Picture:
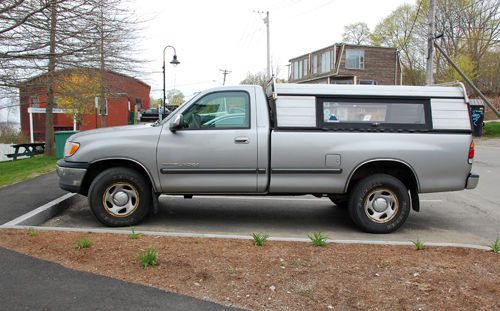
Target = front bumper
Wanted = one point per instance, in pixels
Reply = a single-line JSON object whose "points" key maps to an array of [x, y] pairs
{"points": [[472, 181], [71, 175]]}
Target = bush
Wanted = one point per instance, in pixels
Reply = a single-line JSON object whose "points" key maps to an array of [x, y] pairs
{"points": [[133, 235], [10, 135], [317, 239], [32, 232], [495, 246], [83, 243], [149, 257], [419, 245], [259, 239]]}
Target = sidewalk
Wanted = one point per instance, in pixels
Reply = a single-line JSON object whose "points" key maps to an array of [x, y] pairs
{"points": [[18, 199], [27, 283]]}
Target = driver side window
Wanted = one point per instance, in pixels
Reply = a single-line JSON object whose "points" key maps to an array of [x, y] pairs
{"points": [[229, 110]]}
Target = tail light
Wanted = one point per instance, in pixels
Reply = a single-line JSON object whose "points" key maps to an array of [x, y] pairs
{"points": [[471, 151]]}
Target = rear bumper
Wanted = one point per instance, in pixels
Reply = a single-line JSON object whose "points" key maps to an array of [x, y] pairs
{"points": [[472, 181], [71, 175]]}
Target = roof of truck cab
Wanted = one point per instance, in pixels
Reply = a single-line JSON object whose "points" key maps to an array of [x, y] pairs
{"points": [[369, 90]]}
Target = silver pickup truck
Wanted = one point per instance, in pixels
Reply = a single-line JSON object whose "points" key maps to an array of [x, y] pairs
{"points": [[371, 149]]}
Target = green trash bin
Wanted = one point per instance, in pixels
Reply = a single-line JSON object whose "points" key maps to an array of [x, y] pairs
{"points": [[61, 138]]}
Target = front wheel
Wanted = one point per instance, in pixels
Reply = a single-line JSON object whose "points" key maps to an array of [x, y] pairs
{"points": [[379, 204], [119, 197]]}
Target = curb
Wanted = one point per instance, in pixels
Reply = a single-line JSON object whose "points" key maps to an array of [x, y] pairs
{"points": [[43, 213]]}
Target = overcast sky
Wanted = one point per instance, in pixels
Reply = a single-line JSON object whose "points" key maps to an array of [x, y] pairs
{"points": [[225, 34], [230, 34]]}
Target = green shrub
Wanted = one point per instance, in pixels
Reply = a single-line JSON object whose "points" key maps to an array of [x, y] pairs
{"points": [[149, 257], [133, 235], [83, 243], [419, 245], [317, 239], [32, 232], [259, 239], [495, 246]]}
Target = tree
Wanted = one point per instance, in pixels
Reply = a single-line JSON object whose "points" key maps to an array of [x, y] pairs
{"points": [[397, 30], [357, 33], [175, 97], [77, 90], [260, 78]]}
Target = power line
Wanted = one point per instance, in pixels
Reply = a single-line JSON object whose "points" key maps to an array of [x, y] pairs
{"points": [[225, 72]]}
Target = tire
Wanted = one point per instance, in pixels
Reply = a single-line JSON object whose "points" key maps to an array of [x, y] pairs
{"points": [[379, 204], [120, 197]]}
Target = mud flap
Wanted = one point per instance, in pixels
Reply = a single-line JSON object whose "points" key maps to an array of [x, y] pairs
{"points": [[415, 201], [156, 203]]}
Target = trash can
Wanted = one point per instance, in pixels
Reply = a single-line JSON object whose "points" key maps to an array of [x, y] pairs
{"points": [[61, 138], [477, 117]]}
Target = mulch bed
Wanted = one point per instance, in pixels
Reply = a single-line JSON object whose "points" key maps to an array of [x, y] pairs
{"points": [[283, 275]]}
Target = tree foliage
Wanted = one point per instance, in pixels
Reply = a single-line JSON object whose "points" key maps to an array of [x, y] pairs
{"points": [[77, 91], [357, 33], [175, 97]]}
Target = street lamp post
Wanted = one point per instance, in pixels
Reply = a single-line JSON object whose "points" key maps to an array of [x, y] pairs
{"points": [[174, 62]]}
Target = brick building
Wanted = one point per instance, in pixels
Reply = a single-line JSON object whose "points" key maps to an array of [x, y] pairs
{"points": [[347, 64], [124, 92]]}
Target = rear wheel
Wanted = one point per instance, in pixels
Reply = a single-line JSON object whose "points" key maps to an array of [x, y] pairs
{"points": [[119, 197], [379, 204]]}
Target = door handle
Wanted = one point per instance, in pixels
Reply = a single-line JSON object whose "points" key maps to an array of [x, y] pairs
{"points": [[241, 140]]}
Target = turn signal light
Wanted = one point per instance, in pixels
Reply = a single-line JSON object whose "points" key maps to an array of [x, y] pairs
{"points": [[70, 148], [471, 151]]}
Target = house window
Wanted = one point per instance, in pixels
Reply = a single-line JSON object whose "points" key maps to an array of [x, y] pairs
{"points": [[326, 61], [368, 82], [34, 102], [355, 59], [103, 109], [300, 68], [314, 64], [341, 82]]}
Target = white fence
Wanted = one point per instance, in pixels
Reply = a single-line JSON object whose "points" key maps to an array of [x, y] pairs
{"points": [[6, 149]]}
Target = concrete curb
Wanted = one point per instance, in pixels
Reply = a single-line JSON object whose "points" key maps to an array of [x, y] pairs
{"points": [[44, 212], [38, 216]]}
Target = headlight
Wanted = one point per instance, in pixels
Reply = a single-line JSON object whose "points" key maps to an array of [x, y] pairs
{"points": [[70, 148]]}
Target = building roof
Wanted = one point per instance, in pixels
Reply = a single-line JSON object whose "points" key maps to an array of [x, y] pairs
{"points": [[345, 44], [30, 80]]}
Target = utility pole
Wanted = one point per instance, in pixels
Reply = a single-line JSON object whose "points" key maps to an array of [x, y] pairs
{"points": [[266, 21], [430, 43], [225, 72]]}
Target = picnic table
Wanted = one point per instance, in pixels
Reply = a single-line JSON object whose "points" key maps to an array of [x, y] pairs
{"points": [[29, 149]]}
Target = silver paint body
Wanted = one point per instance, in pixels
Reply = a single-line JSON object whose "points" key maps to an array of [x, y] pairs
{"points": [[215, 161]]}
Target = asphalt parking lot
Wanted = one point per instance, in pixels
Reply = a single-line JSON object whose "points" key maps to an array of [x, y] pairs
{"points": [[471, 216]]}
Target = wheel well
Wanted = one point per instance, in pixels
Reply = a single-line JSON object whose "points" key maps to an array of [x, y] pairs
{"points": [[95, 168], [397, 169]]}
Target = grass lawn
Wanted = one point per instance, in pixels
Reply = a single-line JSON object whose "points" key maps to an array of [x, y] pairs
{"points": [[491, 129], [12, 172]]}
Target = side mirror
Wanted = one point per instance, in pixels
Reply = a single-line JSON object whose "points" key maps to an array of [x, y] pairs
{"points": [[176, 123]]}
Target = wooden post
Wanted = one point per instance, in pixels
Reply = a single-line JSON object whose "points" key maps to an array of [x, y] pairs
{"points": [[469, 81]]}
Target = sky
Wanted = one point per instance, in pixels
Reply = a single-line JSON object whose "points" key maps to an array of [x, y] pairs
{"points": [[210, 36], [223, 34]]}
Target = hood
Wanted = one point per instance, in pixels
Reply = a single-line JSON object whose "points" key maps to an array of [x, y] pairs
{"points": [[111, 131]]}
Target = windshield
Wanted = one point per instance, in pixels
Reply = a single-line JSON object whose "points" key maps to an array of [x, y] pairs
{"points": [[174, 112]]}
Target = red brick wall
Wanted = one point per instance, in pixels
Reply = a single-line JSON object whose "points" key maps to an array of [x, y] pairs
{"points": [[125, 89]]}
